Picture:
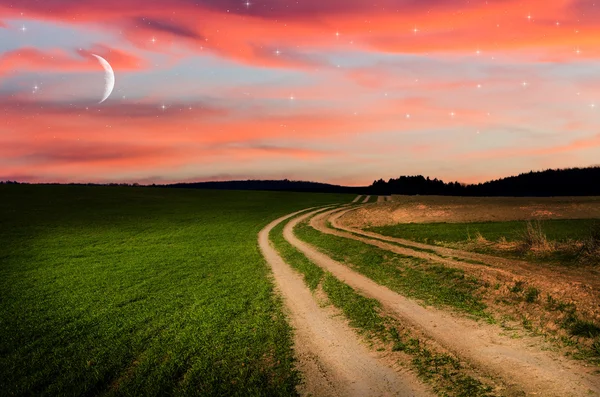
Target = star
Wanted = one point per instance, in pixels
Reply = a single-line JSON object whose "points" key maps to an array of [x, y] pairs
{"points": [[415, 30], [524, 84], [577, 51], [292, 97], [277, 52], [478, 85], [23, 29], [408, 116], [452, 114], [248, 4], [593, 105], [163, 107], [477, 52], [337, 34], [153, 40]]}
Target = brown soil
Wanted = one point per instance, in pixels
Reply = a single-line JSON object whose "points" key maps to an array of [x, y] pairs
{"points": [[380, 199], [518, 362], [331, 358], [426, 209]]}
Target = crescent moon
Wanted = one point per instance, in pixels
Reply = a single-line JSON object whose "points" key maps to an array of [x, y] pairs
{"points": [[109, 77]]}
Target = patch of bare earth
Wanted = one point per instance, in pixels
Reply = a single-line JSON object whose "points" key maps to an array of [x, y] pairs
{"points": [[427, 209], [330, 357], [518, 361]]}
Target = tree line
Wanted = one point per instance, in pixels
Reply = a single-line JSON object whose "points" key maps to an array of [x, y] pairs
{"points": [[552, 182]]}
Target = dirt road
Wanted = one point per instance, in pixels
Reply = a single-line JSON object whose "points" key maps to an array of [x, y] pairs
{"points": [[569, 283], [518, 362], [330, 356], [356, 199], [366, 200]]}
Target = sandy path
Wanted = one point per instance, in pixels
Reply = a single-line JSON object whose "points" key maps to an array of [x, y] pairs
{"points": [[356, 199], [331, 358], [513, 268], [388, 198], [380, 199], [366, 200], [516, 361]]}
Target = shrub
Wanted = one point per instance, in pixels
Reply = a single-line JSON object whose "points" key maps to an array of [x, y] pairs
{"points": [[585, 328], [590, 250], [534, 238], [517, 288], [532, 294]]}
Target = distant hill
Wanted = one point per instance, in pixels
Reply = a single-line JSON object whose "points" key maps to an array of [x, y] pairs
{"points": [[278, 185]]}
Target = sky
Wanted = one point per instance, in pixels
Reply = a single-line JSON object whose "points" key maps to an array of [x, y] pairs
{"points": [[334, 91]]}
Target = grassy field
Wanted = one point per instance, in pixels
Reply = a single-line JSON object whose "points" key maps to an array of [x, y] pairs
{"points": [[555, 230], [557, 240], [140, 291]]}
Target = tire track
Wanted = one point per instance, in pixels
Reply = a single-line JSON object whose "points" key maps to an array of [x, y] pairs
{"points": [[516, 361], [512, 269], [356, 199], [331, 358]]}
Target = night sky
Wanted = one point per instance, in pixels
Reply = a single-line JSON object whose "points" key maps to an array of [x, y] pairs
{"points": [[326, 90]]}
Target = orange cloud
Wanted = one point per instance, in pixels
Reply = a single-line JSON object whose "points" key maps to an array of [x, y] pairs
{"points": [[253, 35], [28, 59], [579, 144]]}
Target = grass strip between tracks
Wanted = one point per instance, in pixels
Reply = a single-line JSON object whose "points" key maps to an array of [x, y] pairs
{"points": [[443, 371], [434, 284]]}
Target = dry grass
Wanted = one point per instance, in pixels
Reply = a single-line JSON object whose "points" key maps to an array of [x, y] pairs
{"points": [[534, 239], [590, 250]]}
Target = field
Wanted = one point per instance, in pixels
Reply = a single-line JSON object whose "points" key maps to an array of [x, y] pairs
{"points": [[140, 291], [147, 291]]}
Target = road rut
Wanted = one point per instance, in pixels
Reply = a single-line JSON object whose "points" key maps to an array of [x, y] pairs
{"points": [[330, 356], [516, 361]]}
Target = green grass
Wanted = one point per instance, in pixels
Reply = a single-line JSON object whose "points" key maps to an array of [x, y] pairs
{"points": [[140, 291], [365, 316], [414, 277], [560, 234], [312, 273], [439, 366], [362, 312], [555, 230]]}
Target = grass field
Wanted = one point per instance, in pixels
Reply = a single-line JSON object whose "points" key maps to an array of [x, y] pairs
{"points": [[141, 291], [555, 230], [563, 239]]}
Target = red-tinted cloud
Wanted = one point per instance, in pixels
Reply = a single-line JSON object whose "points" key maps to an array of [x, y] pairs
{"points": [[32, 59], [252, 34], [575, 145]]}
